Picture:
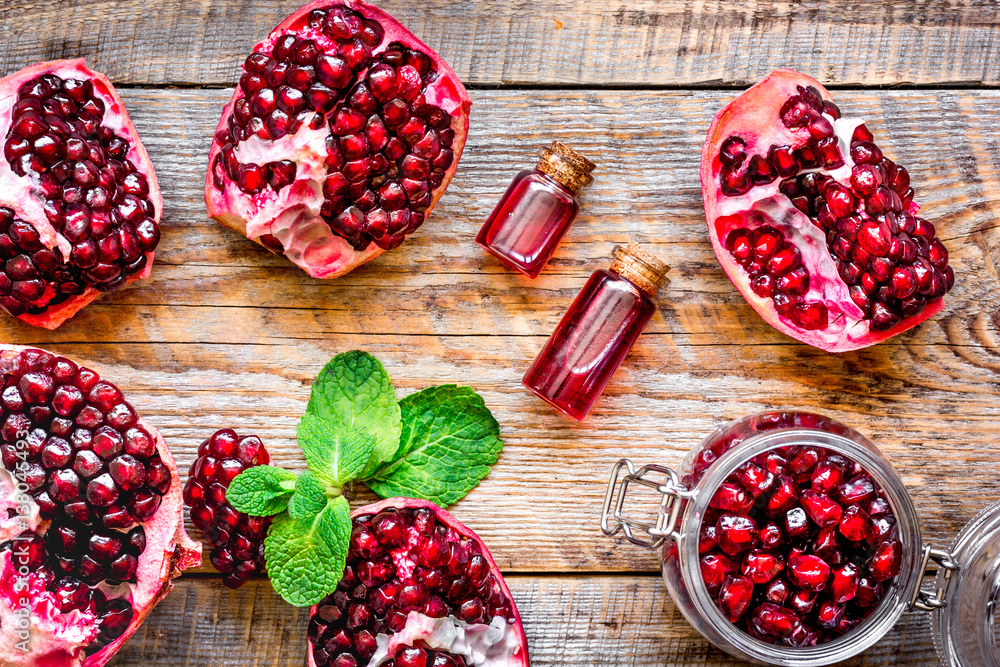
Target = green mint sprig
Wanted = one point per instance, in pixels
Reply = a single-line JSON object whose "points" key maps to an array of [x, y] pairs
{"points": [[436, 444]]}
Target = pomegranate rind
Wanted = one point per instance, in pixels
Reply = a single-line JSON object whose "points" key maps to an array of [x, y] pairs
{"points": [[297, 206], [15, 191], [755, 117], [519, 657], [169, 550]]}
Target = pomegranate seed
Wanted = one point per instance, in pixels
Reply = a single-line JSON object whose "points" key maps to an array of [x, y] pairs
{"points": [[776, 620], [856, 524], [844, 583], [736, 533], [821, 508], [886, 562], [715, 567], [761, 567], [735, 596], [731, 498], [810, 572]]}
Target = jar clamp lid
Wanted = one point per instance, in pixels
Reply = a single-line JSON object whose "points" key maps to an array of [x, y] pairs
{"points": [[966, 628]]}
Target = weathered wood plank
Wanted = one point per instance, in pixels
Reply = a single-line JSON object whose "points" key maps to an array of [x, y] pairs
{"points": [[611, 621], [193, 344], [640, 42]]}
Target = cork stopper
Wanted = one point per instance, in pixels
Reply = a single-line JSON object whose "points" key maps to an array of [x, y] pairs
{"points": [[566, 166], [640, 267]]}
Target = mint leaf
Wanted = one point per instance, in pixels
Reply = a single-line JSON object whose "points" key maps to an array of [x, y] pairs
{"points": [[449, 442], [309, 498], [335, 454], [261, 490], [306, 557], [355, 392]]}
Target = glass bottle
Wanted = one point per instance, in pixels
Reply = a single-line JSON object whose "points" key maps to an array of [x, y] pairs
{"points": [[597, 332], [537, 209]]}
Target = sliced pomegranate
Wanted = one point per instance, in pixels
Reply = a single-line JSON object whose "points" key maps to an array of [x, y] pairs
{"points": [[100, 532], [815, 226], [419, 589], [237, 539], [79, 202], [343, 134]]}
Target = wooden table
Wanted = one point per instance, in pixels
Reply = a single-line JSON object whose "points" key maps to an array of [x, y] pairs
{"points": [[226, 334]]}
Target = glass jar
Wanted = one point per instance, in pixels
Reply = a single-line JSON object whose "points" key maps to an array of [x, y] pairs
{"points": [[968, 574], [538, 208]]}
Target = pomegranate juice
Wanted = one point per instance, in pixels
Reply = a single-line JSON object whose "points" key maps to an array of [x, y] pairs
{"points": [[537, 210], [597, 332]]}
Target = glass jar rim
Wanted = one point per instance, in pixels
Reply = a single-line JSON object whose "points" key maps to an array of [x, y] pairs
{"points": [[980, 568], [888, 611]]}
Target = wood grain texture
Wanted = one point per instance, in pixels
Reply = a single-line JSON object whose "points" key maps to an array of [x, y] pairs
{"points": [[585, 42], [226, 334], [606, 621]]}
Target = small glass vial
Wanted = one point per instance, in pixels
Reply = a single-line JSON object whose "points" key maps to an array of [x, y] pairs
{"points": [[597, 332], [537, 209]]}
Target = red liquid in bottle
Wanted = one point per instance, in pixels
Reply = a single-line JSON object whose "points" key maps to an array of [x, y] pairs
{"points": [[536, 211], [529, 222], [596, 333]]}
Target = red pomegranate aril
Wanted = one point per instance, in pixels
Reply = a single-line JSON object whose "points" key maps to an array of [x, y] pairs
{"points": [[761, 567], [803, 601], [796, 524], [732, 151], [809, 572], [236, 538], [784, 497], [776, 620], [856, 524], [830, 614], [822, 509], [771, 536], [869, 592], [826, 477], [827, 545], [730, 498], [736, 534], [735, 596], [777, 591], [885, 564], [754, 479], [857, 490], [844, 583], [715, 567]]}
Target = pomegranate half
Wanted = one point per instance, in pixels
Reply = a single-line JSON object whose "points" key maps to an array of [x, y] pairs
{"points": [[91, 520], [342, 135], [419, 590], [79, 202], [815, 226]]}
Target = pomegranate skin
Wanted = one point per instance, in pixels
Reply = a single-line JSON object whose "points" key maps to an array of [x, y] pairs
{"points": [[519, 658], [15, 191], [290, 221], [756, 118], [168, 550]]}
